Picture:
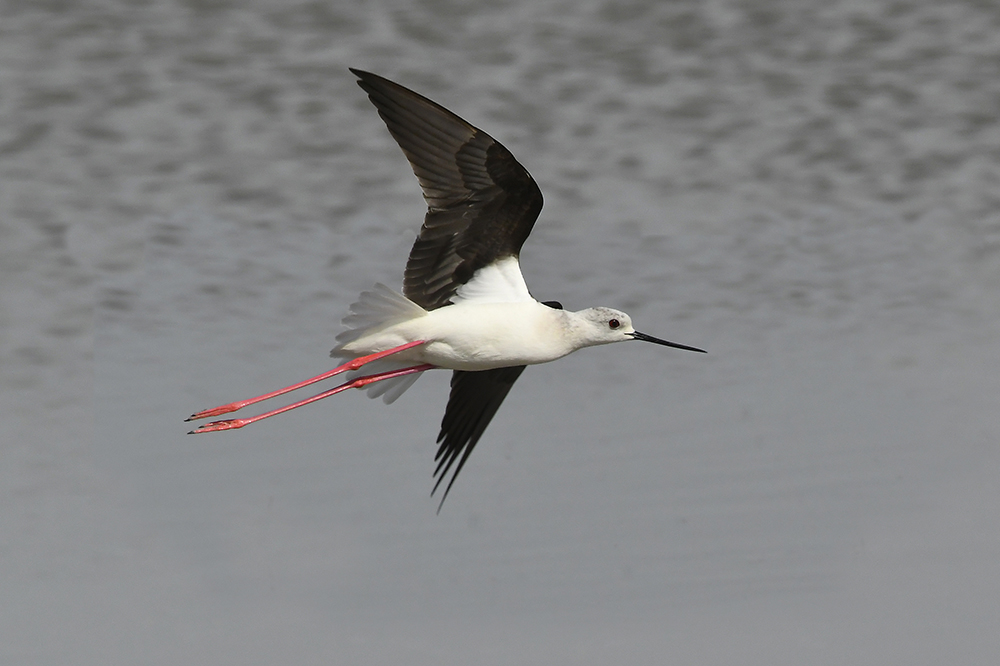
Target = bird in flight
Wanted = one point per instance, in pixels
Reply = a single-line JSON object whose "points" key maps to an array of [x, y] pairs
{"points": [[464, 305]]}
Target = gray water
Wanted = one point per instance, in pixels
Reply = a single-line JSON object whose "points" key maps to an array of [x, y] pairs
{"points": [[191, 194]]}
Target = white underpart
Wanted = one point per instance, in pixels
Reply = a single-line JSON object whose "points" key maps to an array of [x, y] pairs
{"points": [[499, 282]]}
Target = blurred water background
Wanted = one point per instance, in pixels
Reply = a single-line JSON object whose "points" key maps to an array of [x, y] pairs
{"points": [[192, 193]]}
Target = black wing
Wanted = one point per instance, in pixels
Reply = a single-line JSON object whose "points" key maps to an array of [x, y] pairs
{"points": [[481, 204], [475, 398]]}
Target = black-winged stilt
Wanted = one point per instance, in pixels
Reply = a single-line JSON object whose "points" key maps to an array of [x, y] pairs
{"points": [[481, 206]]}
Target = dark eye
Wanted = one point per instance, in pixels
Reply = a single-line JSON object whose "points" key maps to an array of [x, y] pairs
{"points": [[614, 323]]}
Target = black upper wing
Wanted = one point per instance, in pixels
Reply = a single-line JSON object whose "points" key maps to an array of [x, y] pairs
{"points": [[481, 204], [475, 398]]}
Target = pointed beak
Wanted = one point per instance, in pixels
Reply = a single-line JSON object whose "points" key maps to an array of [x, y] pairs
{"points": [[636, 335]]}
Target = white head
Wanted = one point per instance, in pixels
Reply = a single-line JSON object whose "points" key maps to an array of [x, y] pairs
{"points": [[603, 326]]}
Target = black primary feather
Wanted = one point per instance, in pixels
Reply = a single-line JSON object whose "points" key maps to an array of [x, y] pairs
{"points": [[475, 398], [481, 203]]}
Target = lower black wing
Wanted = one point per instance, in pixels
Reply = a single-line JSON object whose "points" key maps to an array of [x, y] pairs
{"points": [[475, 398]]}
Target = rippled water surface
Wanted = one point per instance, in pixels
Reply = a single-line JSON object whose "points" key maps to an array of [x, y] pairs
{"points": [[191, 194]]}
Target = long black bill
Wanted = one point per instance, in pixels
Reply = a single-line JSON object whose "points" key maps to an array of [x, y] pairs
{"points": [[649, 338]]}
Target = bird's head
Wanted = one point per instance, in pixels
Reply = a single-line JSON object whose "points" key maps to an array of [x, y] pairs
{"points": [[606, 325]]}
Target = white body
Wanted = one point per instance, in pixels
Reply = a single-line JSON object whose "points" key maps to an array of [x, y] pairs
{"points": [[493, 323], [477, 336]]}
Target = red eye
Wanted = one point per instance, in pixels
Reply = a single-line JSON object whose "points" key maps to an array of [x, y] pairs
{"points": [[614, 323]]}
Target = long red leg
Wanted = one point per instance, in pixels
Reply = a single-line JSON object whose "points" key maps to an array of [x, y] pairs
{"points": [[347, 367], [357, 382]]}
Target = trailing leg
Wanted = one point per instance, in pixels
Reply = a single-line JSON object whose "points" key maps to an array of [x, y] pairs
{"points": [[357, 382], [346, 367]]}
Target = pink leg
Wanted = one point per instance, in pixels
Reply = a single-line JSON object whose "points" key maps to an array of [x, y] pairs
{"points": [[347, 367], [358, 382]]}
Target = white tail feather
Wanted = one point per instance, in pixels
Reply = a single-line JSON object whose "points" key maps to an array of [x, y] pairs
{"points": [[391, 389], [388, 389], [375, 309]]}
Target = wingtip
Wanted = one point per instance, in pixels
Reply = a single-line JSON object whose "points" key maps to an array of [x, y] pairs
{"points": [[443, 497], [363, 75]]}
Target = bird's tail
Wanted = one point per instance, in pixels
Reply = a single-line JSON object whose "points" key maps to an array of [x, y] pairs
{"points": [[374, 310]]}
